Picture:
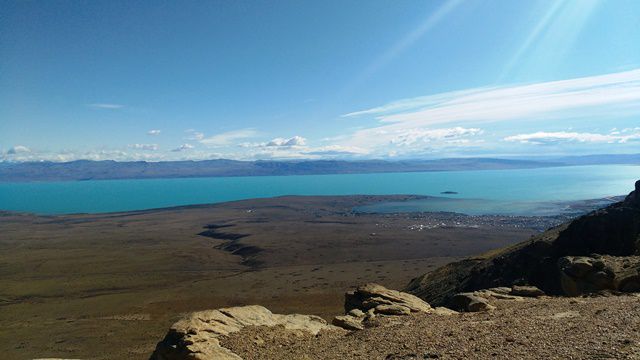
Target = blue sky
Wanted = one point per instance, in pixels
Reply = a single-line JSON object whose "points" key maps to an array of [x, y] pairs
{"points": [[172, 80]]}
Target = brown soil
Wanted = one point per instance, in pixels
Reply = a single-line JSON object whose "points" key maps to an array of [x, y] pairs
{"points": [[109, 286], [545, 328]]}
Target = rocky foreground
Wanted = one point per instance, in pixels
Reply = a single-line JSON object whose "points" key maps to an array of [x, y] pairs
{"points": [[546, 328], [496, 307], [517, 322], [199, 335]]}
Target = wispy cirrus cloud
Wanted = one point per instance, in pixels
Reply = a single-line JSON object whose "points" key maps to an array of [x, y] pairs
{"points": [[422, 121], [507, 103], [154, 132], [105, 106]]}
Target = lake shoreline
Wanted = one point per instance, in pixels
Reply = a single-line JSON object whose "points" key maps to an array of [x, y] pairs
{"points": [[106, 196]]}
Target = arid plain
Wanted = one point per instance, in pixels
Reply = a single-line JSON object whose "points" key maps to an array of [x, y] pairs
{"points": [[109, 285]]}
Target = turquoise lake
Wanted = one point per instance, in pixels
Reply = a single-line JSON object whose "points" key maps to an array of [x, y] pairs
{"points": [[526, 185]]}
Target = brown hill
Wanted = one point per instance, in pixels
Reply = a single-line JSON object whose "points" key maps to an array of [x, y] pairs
{"points": [[592, 253]]}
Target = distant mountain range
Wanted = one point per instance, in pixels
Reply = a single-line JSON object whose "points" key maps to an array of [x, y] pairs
{"points": [[103, 170]]}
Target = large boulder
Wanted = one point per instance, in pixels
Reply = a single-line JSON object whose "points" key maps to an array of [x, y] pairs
{"points": [[366, 302], [348, 322], [470, 302], [370, 296], [588, 274], [393, 309], [196, 337]]}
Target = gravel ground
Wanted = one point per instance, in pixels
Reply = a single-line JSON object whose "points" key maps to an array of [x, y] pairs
{"points": [[606, 327]]}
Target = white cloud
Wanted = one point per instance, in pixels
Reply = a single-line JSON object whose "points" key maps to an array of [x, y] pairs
{"points": [[126, 154], [382, 141], [227, 138], [610, 92], [423, 136], [151, 147], [542, 137], [337, 150], [274, 154], [296, 147], [154, 132], [18, 149], [67, 155], [106, 106], [292, 141], [183, 147], [413, 125]]}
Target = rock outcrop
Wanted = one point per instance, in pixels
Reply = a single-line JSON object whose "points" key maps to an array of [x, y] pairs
{"points": [[526, 291], [560, 261], [589, 274], [366, 302], [470, 302], [372, 296], [197, 336], [349, 322], [481, 300]]}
